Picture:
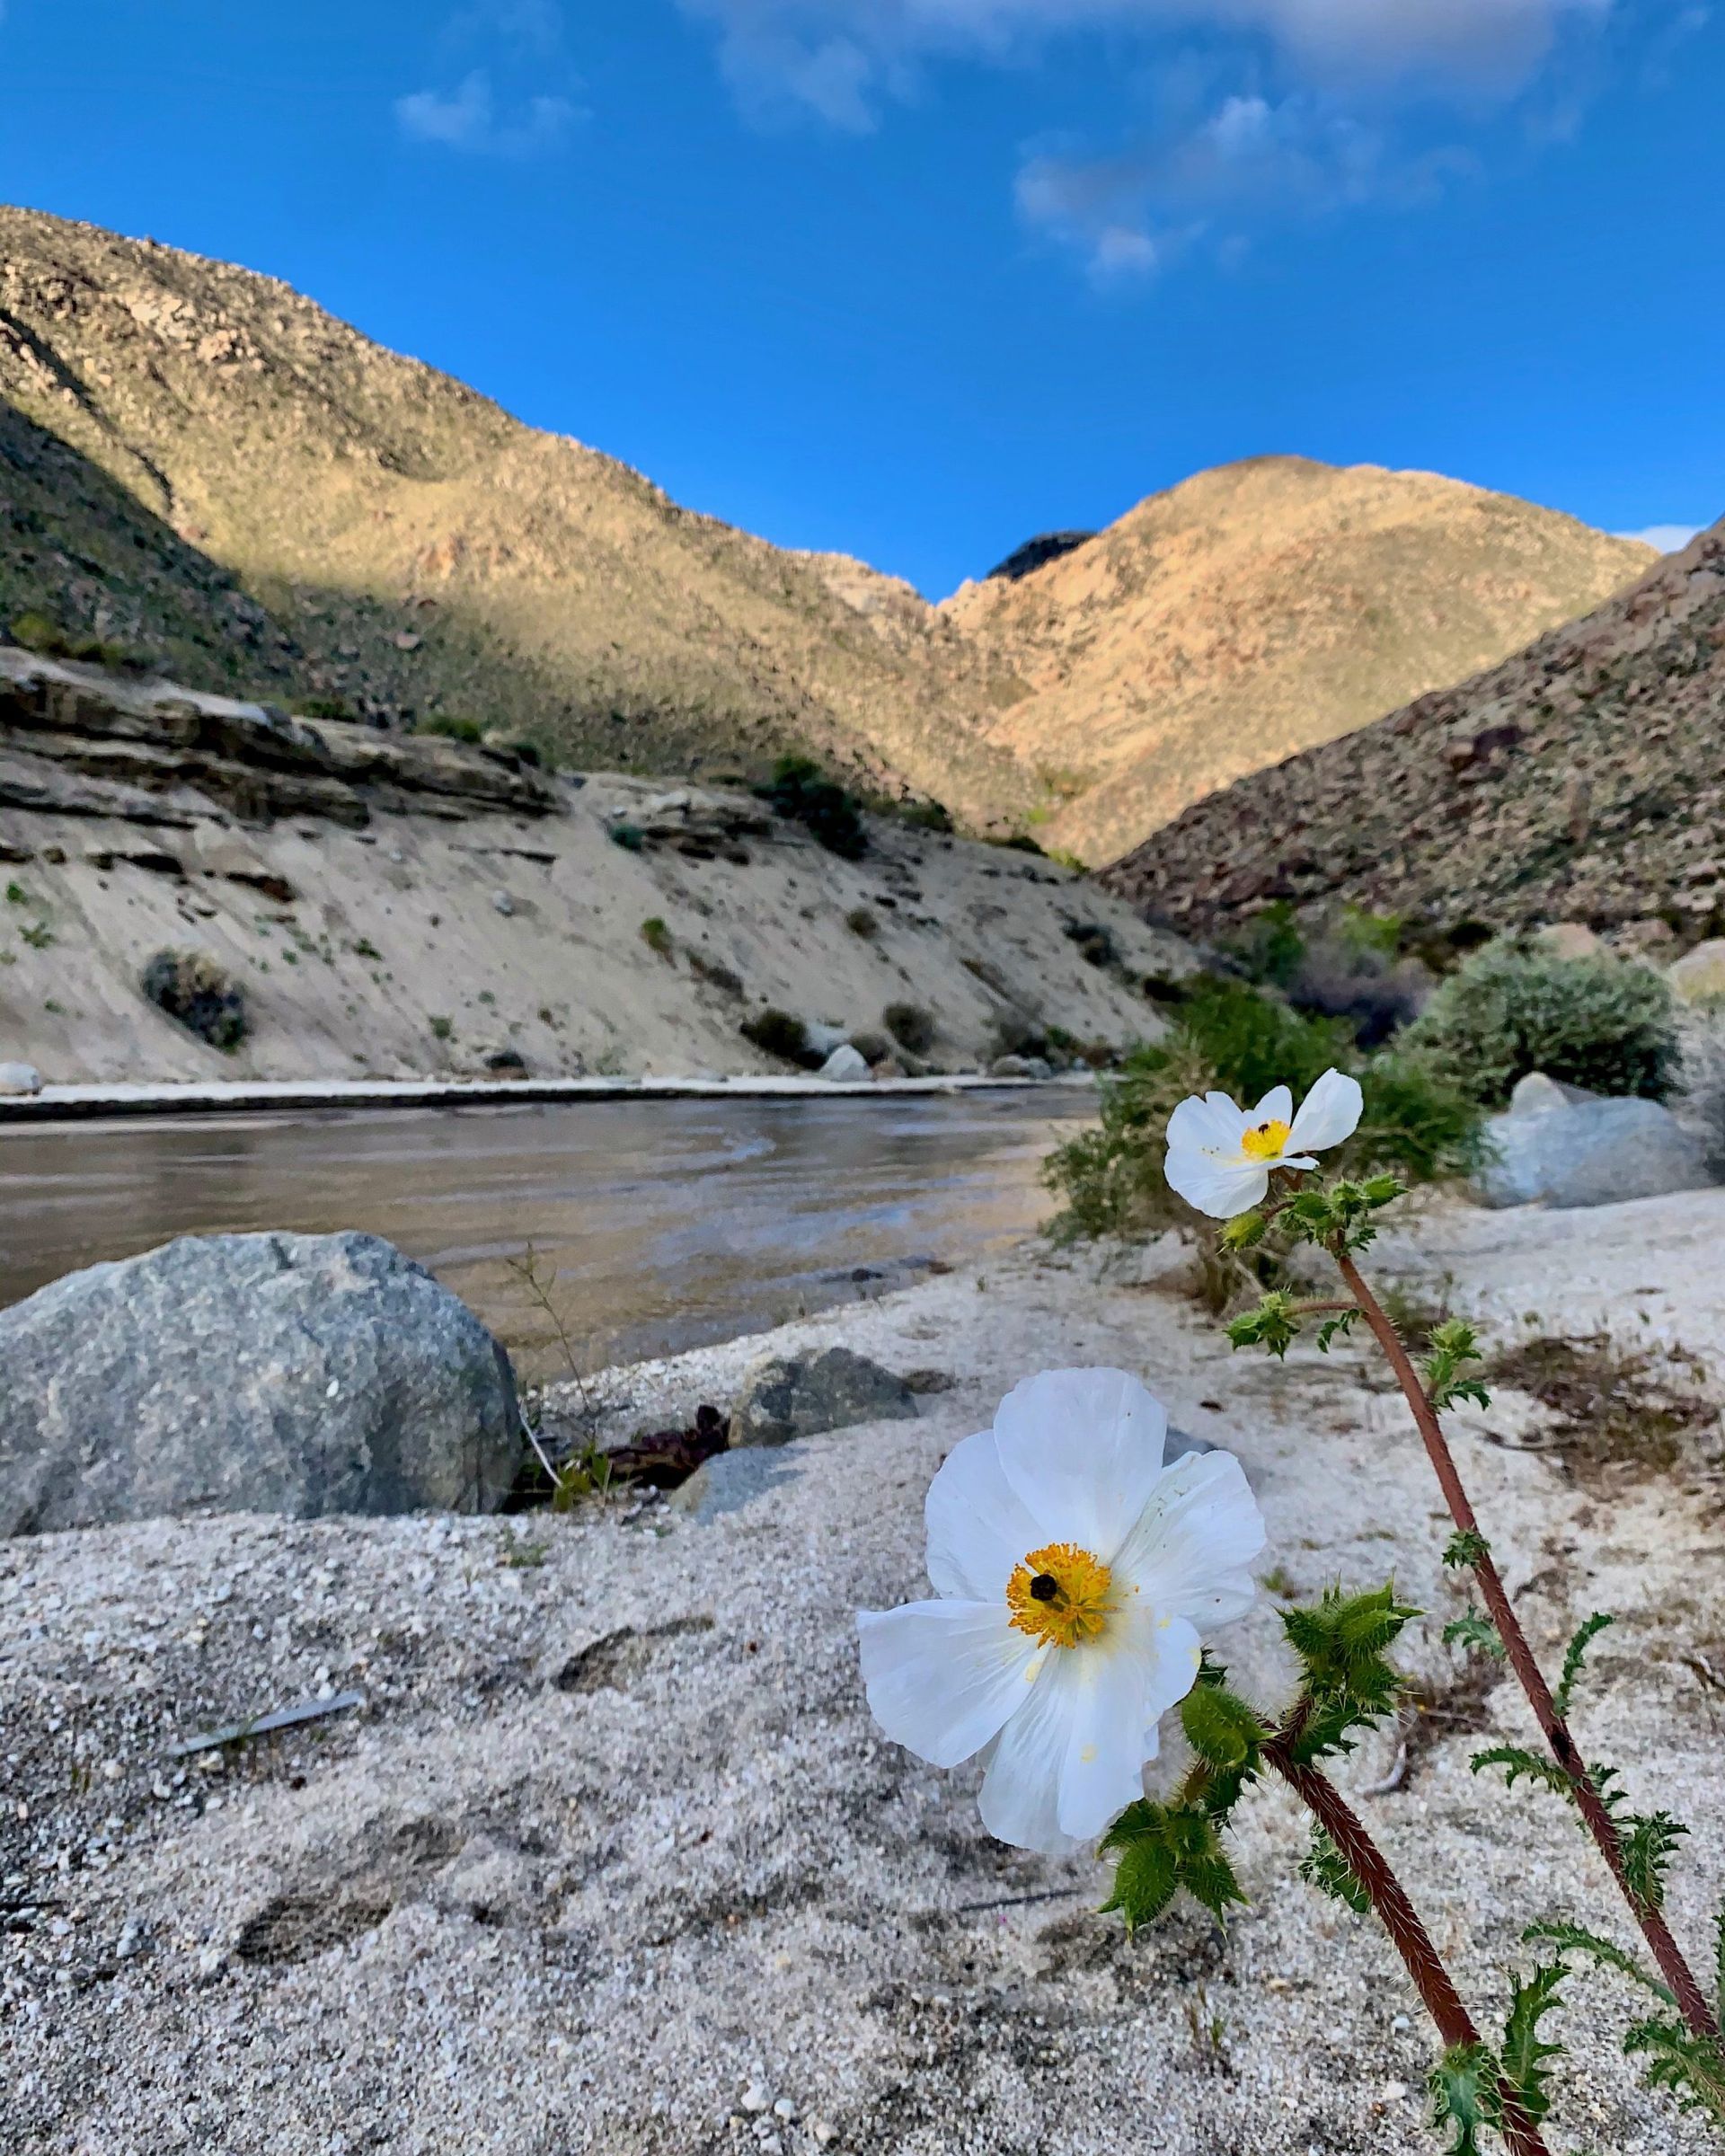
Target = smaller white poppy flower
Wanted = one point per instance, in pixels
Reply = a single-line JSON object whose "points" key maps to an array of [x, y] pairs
{"points": [[1221, 1156], [1075, 1578]]}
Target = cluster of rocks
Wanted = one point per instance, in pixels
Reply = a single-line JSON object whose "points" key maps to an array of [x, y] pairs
{"points": [[1579, 780]]}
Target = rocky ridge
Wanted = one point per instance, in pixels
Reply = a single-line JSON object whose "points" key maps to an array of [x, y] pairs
{"points": [[1255, 610], [1580, 780], [200, 465]]}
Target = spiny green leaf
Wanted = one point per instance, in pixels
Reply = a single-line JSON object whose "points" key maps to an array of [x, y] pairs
{"points": [[1649, 1842], [1220, 1726], [1576, 1938], [1516, 1763], [1691, 2068], [1272, 1325], [1454, 1345], [1474, 1633], [1464, 2091], [1147, 1875], [1337, 1328], [1160, 1849], [1525, 2050], [1467, 1546], [1349, 1684], [1586, 1634], [1324, 1867]]}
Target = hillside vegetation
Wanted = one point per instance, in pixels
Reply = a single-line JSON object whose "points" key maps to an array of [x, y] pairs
{"points": [[202, 468]]}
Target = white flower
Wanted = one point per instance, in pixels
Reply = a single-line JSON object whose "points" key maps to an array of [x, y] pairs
{"points": [[1075, 1576], [1221, 1156]]}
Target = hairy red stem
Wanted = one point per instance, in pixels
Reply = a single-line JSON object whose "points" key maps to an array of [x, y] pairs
{"points": [[1401, 1920], [1692, 2002]]}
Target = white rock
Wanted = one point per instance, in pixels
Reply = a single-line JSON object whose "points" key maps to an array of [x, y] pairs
{"points": [[502, 901], [20, 1078], [1699, 974], [844, 1066], [755, 2098]]}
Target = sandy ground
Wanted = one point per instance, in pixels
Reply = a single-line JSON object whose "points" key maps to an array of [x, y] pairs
{"points": [[612, 1860]]}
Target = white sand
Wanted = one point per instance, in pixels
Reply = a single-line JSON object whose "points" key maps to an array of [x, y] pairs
{"points": [[494, 1913]]}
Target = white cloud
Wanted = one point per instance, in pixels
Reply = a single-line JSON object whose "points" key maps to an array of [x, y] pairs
{"points": [[787, 51], [1247, 163], [1670, 538], [516, 98], [469, 119]]}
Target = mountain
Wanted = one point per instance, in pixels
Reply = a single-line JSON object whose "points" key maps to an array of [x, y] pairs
{"points": [[1581, 780], [202, 467], [258, 496], [1255, 610]]}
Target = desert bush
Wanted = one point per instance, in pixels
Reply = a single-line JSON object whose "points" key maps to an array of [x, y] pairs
{"points": [[656, 936], [445, 727], [872, 1047], [1601, 1024], [325, 707], [800, 791], [862, 922], [630, 838], [724, 978], [39, 634], [1701, 1033], [778, 1033], [193, 989], [1351, 967], [910, 1026], [927, 816], [1096, 944], [1014, 1033], [1230, 1037]]}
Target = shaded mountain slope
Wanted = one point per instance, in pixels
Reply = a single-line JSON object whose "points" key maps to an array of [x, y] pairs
{"points": [[411, 549]]}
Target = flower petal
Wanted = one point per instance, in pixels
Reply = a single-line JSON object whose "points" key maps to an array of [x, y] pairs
{"points": [[1189, 1554], [978, 1529], [1081, 1450], [1218, 1187], [1330, 1113], [1275, 1107], [1213, 1125], [942, 1676], [1072, 1757]]}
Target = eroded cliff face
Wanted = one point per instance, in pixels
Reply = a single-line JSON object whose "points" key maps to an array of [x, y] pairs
{"points": [[1582, 778], [394, 905]]}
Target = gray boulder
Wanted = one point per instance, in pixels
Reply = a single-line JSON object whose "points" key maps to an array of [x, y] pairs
{"points": [[1558, 1146], [729, 1481], [1021, 1067], [301, 1375], [783, 1397], [20, 1078]]}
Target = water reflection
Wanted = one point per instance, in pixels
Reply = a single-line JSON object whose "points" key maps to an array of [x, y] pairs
{"points": [[662, 1224]]}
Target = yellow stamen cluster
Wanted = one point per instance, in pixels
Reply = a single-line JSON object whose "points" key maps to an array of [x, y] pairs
{"points": [[1267, 1141], [1059, 1596]]}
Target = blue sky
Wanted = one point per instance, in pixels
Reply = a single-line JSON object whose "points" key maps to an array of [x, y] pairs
{"points": [[917, 278]]}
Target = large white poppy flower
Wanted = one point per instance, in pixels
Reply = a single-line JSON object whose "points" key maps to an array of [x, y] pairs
{"points": [[1075, 1578], [1221, 1156]]}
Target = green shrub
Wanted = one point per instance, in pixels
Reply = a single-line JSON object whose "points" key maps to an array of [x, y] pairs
{"points": [[656, 936], [1510, 1009], [1228, 1037], [872, 1047], [325, 707], [192, 988], [862, 922], [928, 815], [910, 1026], [777, 1033], [799, 792], [630, 838], [447, 728]]}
